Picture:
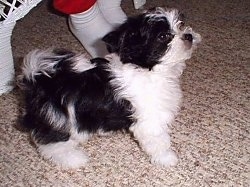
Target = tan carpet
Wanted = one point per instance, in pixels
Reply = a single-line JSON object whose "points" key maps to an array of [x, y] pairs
{"points": [[210, 135]]}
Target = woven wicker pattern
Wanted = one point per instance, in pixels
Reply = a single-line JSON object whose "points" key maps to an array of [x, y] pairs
{"points": [[13, 10], [10, 12], [7, 7]]}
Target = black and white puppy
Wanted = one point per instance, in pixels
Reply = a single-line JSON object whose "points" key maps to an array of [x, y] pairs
{"points": [[136, 88]]}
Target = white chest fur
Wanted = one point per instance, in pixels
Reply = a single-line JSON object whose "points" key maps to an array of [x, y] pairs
{"points": [[155, 95]]}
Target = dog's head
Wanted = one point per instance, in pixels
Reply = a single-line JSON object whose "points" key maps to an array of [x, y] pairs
{"points": [[156, 36]]}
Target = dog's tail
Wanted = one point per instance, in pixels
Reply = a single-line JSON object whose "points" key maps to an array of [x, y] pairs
{"points": [[46, 63]]}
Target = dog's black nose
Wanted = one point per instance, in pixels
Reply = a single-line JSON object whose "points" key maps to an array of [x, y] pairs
{"points": [[188, 37]]}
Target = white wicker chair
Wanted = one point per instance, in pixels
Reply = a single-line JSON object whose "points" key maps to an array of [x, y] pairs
{"points": [[10, 12]]}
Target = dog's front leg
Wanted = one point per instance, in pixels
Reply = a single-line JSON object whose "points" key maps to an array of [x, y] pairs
{"points": [[156, 143]]}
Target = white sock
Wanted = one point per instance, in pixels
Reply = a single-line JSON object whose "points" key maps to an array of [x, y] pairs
{"points": [[89, 27], [112, 11]]}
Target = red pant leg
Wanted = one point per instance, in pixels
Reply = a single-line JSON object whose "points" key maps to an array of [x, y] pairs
{"points": [[73, 6]]}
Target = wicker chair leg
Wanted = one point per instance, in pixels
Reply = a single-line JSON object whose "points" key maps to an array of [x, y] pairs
{"points": [[10, 12], [6, 58]]}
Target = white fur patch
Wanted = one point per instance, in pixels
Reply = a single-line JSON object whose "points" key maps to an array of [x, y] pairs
{"points": [[79, 137], [81, 63], [37, 62], [178, 51], [172, 15], [101, 133], [64, 154], [55, 118], [155, 94], [166, 158]]}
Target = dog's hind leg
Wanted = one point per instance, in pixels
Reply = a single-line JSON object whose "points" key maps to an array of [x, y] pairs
{"points": [[59, 147]]}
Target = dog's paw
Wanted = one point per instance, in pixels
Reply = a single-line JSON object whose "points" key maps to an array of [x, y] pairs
{"points": [[73, 159], [167, 158], [65, 156]]}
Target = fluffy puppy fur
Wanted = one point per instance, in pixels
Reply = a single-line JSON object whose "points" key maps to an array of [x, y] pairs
{"points": [[135, 88]]}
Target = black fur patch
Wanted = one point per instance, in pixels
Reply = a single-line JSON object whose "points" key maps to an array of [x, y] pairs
{"points": [[91, 94]]}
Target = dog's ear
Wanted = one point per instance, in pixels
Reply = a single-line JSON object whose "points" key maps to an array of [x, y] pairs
{"points": [[112, 41]]}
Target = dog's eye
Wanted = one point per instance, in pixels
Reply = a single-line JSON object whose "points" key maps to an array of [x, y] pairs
{"points": [[165, 37], [131, 34]]}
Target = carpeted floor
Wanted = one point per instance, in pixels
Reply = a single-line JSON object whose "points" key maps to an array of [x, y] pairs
{"points": [[210, 134]]}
